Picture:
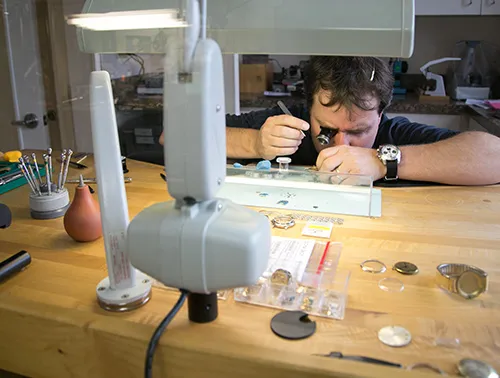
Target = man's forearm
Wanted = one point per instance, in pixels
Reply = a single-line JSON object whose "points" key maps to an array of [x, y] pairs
{"points": [[241, 143], [471, 158]]}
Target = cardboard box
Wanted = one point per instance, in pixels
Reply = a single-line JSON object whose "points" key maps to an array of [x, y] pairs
{"points": [[256, 78]]}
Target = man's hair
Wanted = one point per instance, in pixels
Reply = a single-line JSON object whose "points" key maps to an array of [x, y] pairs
{"points": [[349, 81]]}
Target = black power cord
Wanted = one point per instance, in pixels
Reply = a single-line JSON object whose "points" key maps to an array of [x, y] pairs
{"points": [[148, 371]]}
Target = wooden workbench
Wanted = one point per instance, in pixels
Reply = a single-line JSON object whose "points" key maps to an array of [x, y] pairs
{"points": [[51, 325]]}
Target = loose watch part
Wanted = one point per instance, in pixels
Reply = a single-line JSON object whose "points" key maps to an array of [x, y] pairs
{"points": [[405, 267], [465, 280], [281, 277], [426, 366], [283, 221], [267, 213], [373, 266], [476, 369], [394, 336]]}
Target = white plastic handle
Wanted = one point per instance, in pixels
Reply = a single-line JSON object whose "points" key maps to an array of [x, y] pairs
{"points": [[424, 68]]}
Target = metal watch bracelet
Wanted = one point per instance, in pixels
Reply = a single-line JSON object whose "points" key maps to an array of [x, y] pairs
{"points": [[466, 280]]}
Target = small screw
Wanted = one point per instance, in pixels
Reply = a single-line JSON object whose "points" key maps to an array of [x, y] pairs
{"points": [[125, 296], [219, 181], [217, 108], [101, 288], [219, 207], [145, 281]]}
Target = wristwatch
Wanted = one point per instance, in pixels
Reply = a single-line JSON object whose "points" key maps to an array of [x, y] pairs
{"points": [[465, 280], [390, 156]]}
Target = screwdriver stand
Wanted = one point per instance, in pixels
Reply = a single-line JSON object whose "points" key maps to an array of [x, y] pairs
{"points": [[49, 206]]}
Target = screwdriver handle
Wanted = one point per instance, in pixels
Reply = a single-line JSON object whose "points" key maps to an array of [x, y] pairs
{"points": [[14, 264]]}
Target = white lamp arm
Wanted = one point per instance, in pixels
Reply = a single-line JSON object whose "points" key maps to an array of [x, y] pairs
{"points": [[192, 33], [424, 68]]}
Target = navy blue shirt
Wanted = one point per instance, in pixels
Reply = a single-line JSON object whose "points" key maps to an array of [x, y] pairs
{"points": [[398, 131]]}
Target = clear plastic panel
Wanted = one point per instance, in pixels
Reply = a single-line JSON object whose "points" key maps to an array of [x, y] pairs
{"points": [[318, 27], [322, 290], [302, 189]]}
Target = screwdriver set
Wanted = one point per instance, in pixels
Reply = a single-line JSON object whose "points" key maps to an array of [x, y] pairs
{"points": [[11, 177], [48, 198]]}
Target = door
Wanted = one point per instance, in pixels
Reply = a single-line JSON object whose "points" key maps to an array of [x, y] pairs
{"points": [[24, 121], [491, 7], [447, 7]]}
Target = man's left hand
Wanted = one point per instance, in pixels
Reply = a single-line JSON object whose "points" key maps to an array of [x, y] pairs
{"points": [[351, 160]]}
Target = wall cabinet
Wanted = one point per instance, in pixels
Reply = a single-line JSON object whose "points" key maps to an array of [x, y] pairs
{"points": [[490, 7], [457, 7], [448, 7]]}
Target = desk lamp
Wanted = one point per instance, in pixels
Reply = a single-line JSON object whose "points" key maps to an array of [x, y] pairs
{"points": [[200, 243]]}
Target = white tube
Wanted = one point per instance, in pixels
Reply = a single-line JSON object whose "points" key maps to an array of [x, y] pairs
{"points": [[192, 33], [110, 182], [203, 19]]}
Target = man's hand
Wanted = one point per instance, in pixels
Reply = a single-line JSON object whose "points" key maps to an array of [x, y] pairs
{"points": [[162, 140], [280, 136], [351, 160]]}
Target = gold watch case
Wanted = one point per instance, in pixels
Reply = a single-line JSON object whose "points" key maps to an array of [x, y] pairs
{"points": [[471, 284], [466, 280], [281, 277]]}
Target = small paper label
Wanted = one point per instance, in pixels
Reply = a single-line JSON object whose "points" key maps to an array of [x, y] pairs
{"points": [[318, 229], [120, 263]]}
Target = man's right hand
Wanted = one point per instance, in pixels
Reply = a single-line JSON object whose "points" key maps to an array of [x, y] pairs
{"points": [[280, 136]]}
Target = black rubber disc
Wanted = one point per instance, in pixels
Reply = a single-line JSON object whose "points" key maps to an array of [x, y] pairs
{"points": [[293, 325]]}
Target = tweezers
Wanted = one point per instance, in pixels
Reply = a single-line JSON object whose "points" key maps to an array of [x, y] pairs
{"points": [[75, 164], [360, 359]]}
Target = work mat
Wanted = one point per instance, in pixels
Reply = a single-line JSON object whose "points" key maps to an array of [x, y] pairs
{"points": [[13, 171]]}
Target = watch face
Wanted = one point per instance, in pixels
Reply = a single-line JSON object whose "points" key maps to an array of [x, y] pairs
{"points": [[389, 152], [405, 267], [470, 284]]}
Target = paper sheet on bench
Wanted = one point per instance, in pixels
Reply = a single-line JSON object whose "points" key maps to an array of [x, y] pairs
{"points": [[290, 254]]}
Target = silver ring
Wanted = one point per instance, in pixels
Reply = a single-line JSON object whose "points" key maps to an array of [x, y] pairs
{"points": [[283, 221]]}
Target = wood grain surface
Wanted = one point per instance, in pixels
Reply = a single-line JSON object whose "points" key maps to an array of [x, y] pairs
{"points": [[51, 325]]}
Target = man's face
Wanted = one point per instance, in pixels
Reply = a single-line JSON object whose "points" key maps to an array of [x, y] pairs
{"points": [[356, 128]]}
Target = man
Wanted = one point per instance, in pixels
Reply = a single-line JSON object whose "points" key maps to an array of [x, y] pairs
{"points": [[348, 96]]}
